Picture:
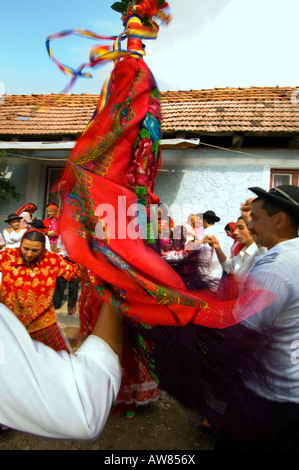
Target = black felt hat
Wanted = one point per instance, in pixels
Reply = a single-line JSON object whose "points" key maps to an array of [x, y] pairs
{"points": [[37, 223], [210, 215], [12, 217], [285, 196]]}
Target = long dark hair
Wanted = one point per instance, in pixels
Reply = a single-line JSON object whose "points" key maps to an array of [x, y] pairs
{"points": [[35, 236]]}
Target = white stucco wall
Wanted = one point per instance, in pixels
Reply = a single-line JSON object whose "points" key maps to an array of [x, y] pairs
{"points": [[196, 180]]}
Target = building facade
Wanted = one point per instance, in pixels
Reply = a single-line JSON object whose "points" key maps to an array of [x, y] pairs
{"points": [[215, 145]]}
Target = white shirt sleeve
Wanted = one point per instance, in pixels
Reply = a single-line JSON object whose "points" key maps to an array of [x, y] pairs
{"points": [[229, 264], [53, 394]]}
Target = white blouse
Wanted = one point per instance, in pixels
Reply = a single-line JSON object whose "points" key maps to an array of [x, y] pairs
{"points": [[13, 238]]}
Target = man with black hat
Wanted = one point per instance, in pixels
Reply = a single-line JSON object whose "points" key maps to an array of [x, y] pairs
{"points": [[209, 218], [12, 235], [270, 419]]}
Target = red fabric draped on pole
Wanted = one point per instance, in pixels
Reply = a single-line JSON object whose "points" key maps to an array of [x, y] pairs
{"points": [[109, 179], [111, 169]]}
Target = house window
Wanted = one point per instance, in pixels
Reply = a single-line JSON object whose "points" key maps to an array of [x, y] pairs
{"points": [[279, 177]]}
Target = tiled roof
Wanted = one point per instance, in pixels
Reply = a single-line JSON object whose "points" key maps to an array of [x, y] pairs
{"points": [[45, 115], [231, 110], [255, 110]]}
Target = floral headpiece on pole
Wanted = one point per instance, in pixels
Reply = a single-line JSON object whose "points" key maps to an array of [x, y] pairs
{"points": [[144, 9]]}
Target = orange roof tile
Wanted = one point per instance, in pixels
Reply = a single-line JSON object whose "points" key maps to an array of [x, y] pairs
{"points": [[255, 110]]}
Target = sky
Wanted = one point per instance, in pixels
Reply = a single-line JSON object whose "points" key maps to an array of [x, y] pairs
{"points": [[208, 44]]}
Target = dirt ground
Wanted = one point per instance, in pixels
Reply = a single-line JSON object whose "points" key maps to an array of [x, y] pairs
{"points": [[163, 426]]}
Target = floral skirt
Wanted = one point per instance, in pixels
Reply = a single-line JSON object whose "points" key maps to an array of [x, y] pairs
{"points": [[138, 389], [138, 386]]}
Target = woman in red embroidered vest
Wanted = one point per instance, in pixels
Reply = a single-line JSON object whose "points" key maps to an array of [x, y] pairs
{"points": [[29, 276]]}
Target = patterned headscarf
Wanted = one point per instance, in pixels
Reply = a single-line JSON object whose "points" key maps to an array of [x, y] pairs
{"points": [[53, 206], [26, 208]]}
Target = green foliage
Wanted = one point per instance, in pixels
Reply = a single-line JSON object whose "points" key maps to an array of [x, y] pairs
{"points": [[118, 6], [7, 189], [122, 6]]}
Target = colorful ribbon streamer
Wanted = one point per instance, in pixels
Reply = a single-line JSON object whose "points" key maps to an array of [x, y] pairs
{"points": [[98, 55], [103, 53]]}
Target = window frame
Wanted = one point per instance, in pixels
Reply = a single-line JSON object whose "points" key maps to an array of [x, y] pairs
{"points": [[285, 171], [52, 177]]}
